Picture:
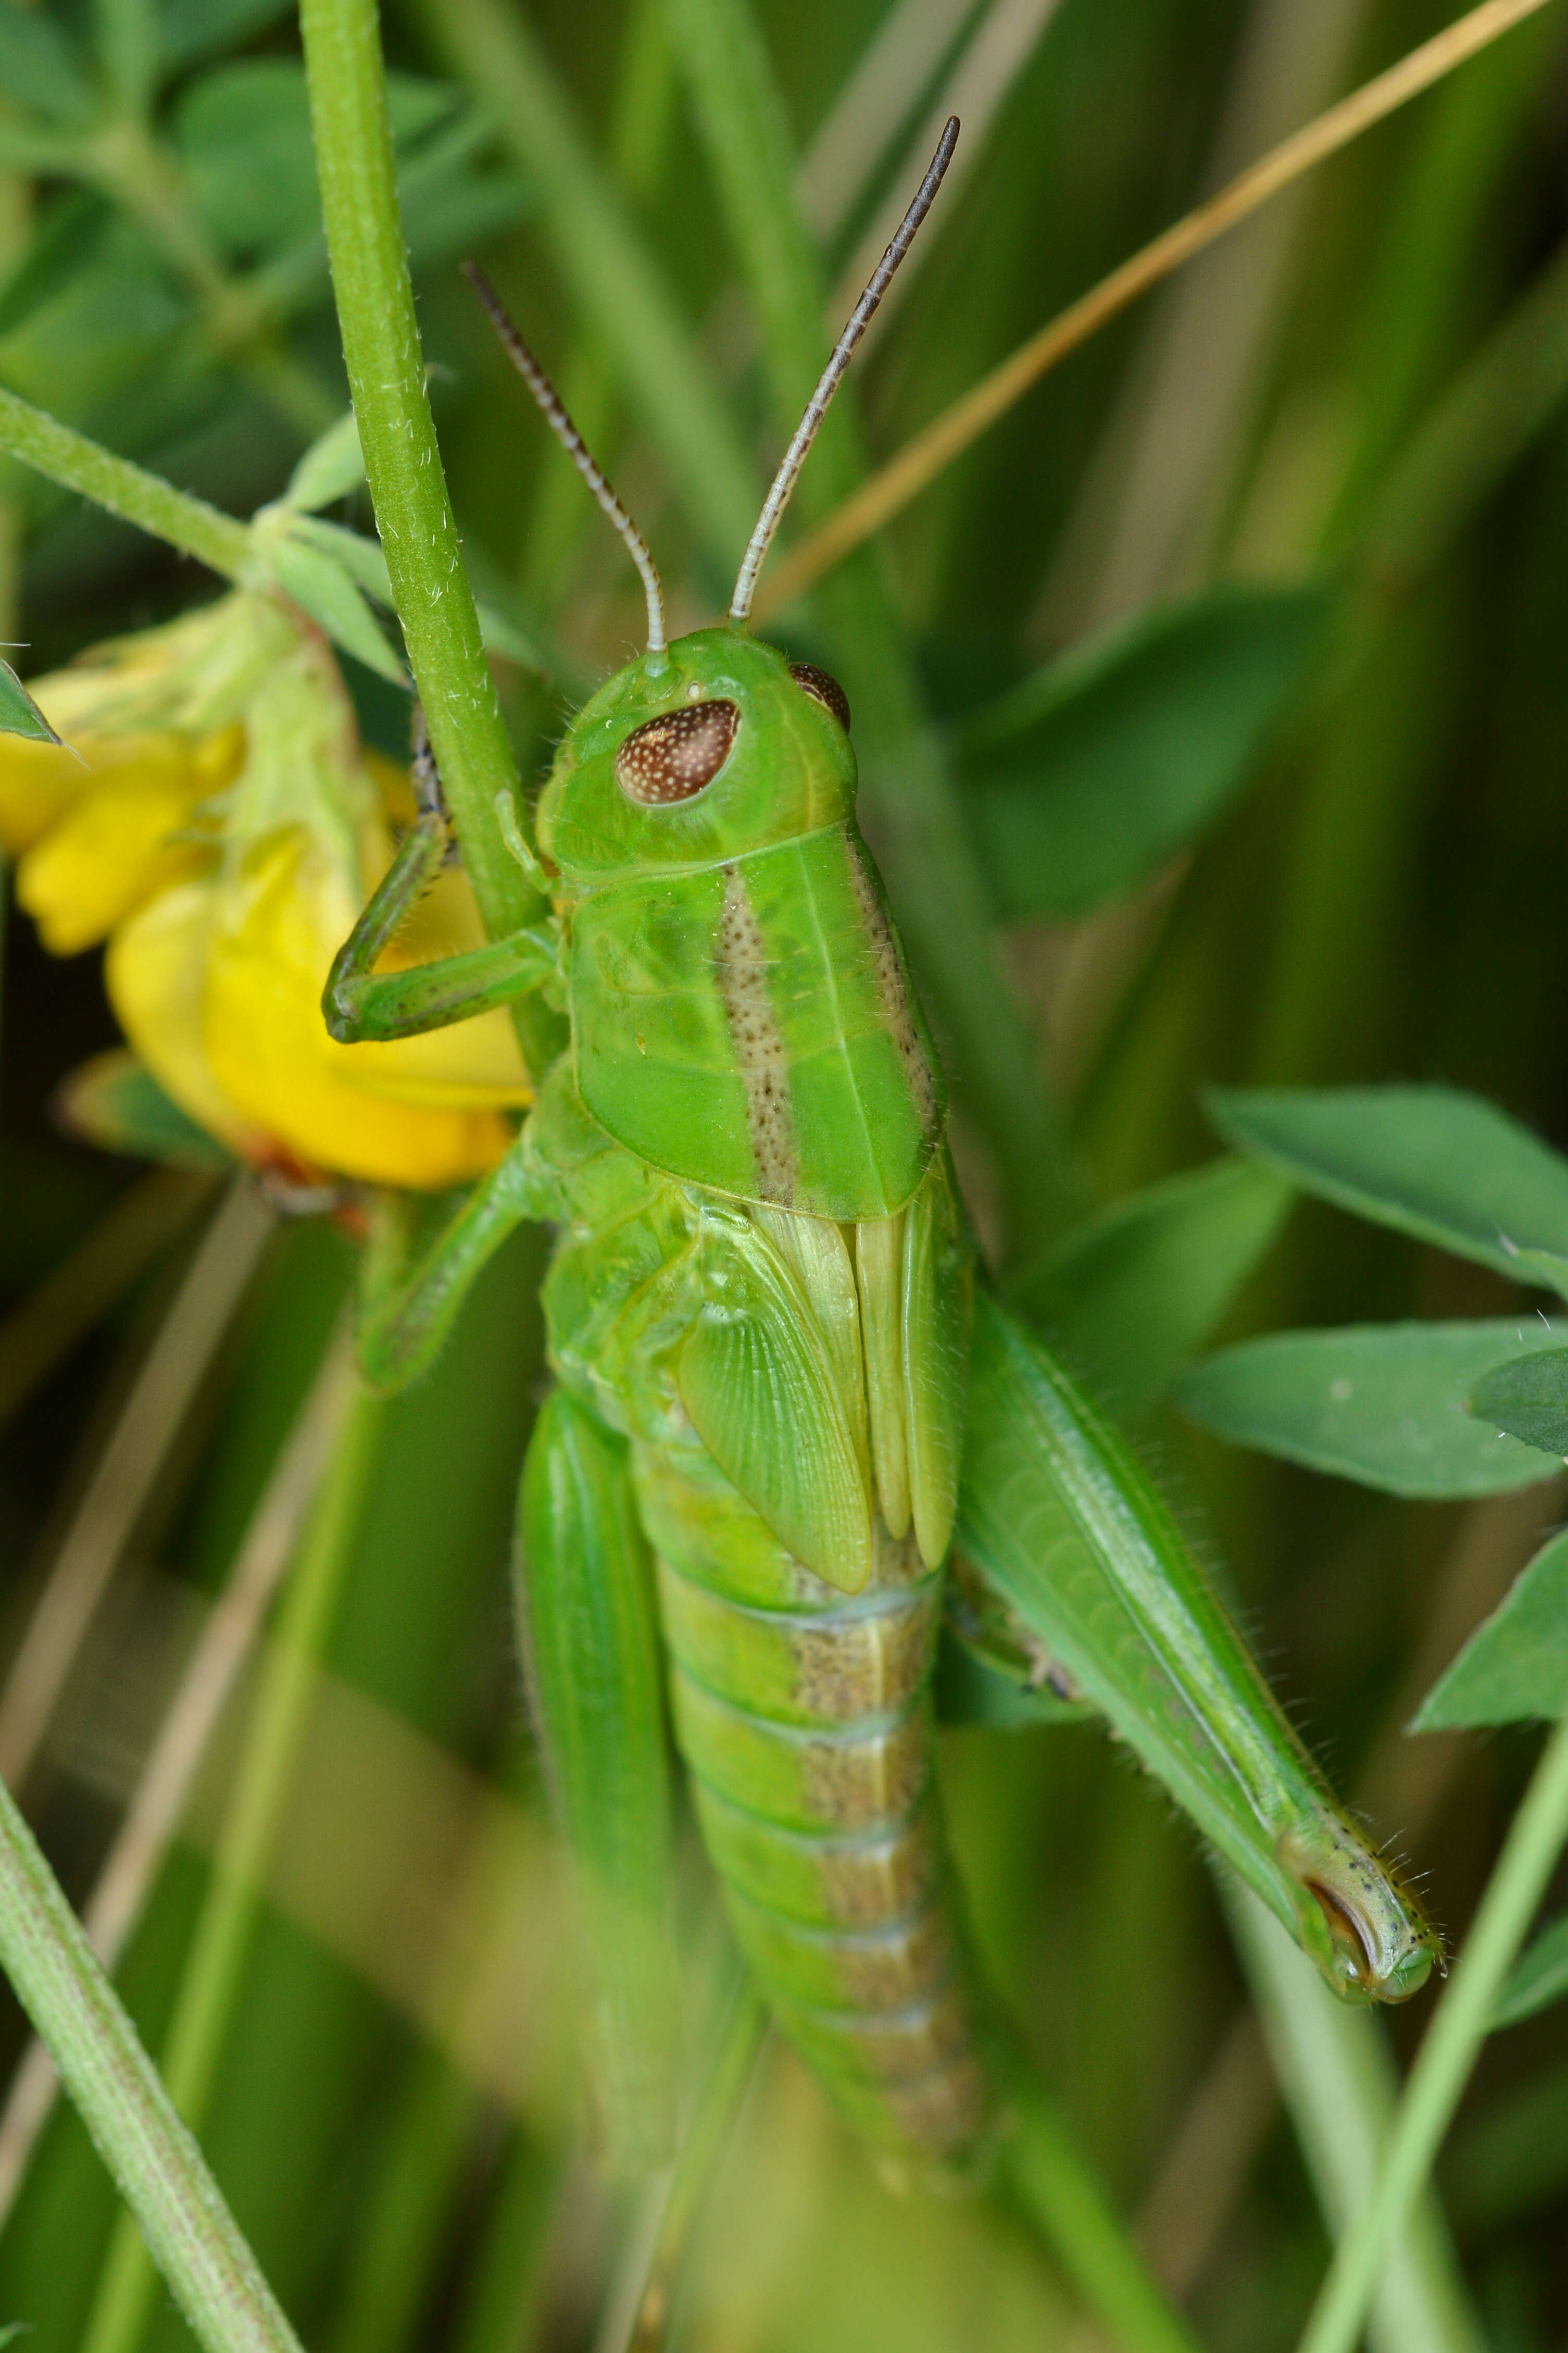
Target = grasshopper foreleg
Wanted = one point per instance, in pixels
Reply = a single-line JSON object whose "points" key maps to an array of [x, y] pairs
{"points": [[361, 1004]]}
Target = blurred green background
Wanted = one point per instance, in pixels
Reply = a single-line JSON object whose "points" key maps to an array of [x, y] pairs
{"points": [[1343, 433]]}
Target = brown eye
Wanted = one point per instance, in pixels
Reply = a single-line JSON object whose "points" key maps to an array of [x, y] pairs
{"points": [[823, 688], [671, 757]]}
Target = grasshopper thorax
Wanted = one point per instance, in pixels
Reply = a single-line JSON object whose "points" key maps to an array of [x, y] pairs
{"points": [[725, 747]]}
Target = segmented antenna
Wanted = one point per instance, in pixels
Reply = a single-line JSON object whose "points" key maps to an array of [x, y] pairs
{"points": [[778, 498], [577, 450]]}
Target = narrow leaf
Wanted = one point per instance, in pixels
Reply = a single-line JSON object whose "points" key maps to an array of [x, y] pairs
{"points": [[329, 468], [19, 714], [321, 586], [1528, 1398], [1428, 1160], [1128, 1294], [1087, 777], [1538, 1978], [1380, 1403], [1514, 1667]]}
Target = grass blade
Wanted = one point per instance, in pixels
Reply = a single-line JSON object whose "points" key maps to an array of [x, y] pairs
{"points": [[135, 2123], [1444, 2063], [892, 486], [179, 1361]]}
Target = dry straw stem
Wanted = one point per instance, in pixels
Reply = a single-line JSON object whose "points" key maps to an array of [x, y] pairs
{"points": [[889, 490], [177, 1365], [41, 1333], [161, 1794]]}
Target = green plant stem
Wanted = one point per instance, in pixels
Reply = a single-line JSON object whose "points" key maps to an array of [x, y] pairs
{"points": [[1070, 2210], [740, 2038], [214, 1968], [134, 2125], [126, 37], [1449, 2052], [1338, 2078], [76, 463], [403, 464]]}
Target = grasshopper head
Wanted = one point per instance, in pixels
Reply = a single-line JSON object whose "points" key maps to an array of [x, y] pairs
{"points": [[726, 748]]}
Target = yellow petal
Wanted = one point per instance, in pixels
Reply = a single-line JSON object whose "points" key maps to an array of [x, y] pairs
{"points": [[38, 781], [112, 849], [374, 1112], [156, 972]]}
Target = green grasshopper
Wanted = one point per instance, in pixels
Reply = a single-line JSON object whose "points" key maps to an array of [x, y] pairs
{"points": [[777, 1393]]}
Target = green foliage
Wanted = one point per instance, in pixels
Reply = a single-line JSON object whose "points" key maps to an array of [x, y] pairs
{"points": [[116, 1103], [1528, 1398], [1129, 1293], [1428, 1161], [1110, 760], [1538, 1978], [1384, 1404], [19, 714], [1515, 1666]]}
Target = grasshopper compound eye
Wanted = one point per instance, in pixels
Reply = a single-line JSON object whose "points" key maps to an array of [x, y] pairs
{"points": [[674, 757], [824, 688]]}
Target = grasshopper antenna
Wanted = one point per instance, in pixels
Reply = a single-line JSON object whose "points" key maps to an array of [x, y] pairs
{"points": [[577, 450], [778, 498]]}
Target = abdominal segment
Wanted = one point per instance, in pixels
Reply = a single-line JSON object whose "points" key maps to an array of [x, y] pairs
{"points": [[804, 1716]]}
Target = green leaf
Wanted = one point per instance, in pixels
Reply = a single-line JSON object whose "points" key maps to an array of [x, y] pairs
{"points": [[1528, 1398], [1515, 1665], [1380, 1403], [1128, 1294], [242, 132], [19, 714], [1428, 1160], [361, 557], [67, 238], [330, 468], [320, 584], [190, 30], [45, 70], [1538, 1978], [1088, 776], [115, 1103]]}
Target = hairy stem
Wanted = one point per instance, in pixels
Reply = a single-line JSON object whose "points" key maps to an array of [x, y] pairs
{"points": [[78, 464], [403, 464], [215, 1969], [134, 2121]]}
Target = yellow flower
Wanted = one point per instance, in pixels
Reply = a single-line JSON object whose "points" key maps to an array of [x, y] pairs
{"points": [[223, 832], [128, 833]]}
